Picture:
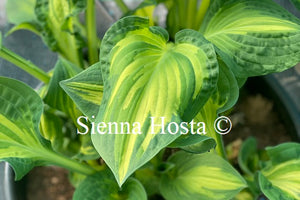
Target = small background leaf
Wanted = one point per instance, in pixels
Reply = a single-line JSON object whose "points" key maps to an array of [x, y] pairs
{"points": [[248, 158], [200, 176], [185, 14], [281, 181], [56, 97], [20, 11], [60, 27], [102, 186], [284, 152], [86, 90]]}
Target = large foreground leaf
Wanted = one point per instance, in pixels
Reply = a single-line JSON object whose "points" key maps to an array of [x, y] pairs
{"points": [[144, 77], [200, 176], [259, 35], [20, 111]]}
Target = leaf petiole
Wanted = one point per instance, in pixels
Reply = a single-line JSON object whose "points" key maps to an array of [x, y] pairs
{"points": [[91, 32], [70, 164], [24, 64], [122, 6]]}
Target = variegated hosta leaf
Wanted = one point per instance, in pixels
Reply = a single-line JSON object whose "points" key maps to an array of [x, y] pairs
{"points": [[86, 90], [281, 181], [200, 176], [20, 142], [259, 35], [59, 26], [144, 77]]}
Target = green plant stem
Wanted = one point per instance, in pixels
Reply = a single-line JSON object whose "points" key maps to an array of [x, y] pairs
{"points": [[208, 114], [191, 13], [201, 12], [91, 32], [24, 64], [219, 141], [220, 149], [68, 163], [122, 6]]}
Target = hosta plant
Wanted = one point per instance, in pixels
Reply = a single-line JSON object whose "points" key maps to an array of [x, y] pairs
{"points": [[137, 121]]}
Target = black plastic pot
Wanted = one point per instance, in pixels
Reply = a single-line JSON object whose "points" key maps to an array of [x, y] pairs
{"points": [[10, 190], [284, 89]]}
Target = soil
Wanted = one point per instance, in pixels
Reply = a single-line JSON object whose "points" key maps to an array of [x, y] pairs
{"points": [[254, 115], [49, 183]]}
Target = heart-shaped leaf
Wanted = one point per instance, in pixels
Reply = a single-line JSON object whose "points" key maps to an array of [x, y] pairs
{"points": [[148, 82], [200, 176], [258, 35]]}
